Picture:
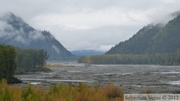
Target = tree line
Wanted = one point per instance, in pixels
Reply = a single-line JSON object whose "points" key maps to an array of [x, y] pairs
{"points": [[7, 62], [158, 59], [14, 60], [29, 60]]}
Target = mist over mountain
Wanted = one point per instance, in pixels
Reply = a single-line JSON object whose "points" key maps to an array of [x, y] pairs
{"points": [[157, 38], [176, 14], [14, 31]]}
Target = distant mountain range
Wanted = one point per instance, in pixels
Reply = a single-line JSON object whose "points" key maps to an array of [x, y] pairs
{"points": [[152, 39], [14, 31], [87, 52]]}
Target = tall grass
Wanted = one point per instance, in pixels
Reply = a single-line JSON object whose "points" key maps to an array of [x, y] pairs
{"points": [[67, 92]]}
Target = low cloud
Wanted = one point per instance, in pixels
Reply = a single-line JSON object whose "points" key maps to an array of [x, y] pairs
{"points": [[95, 38], [36, 35], [20, 34], [84, 24], [84, 20]]}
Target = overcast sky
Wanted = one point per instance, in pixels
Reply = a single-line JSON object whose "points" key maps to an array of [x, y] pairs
{"points": [[91, 24]]}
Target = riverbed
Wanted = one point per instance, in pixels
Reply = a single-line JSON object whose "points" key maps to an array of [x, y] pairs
{"points": [[131, 78]]}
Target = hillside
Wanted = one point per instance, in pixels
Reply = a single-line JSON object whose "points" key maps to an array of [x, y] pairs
{"points": [[167, 40], [152, 39], [14, 31], [153, 44]]}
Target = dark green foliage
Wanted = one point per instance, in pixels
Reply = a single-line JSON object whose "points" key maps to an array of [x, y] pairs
{"points": [[152, 39], [153, 44], [29, 60], [159, 58], [139, 43], [167, 40], [12, 80], [8, 63]]}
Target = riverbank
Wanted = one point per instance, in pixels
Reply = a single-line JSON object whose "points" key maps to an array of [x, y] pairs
{"points": [[131, 78]]}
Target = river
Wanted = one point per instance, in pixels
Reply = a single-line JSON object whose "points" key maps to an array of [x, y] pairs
{"points": [[132, 78]]}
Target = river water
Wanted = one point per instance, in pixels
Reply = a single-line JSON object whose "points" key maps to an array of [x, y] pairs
{"points": [[132, 78]]}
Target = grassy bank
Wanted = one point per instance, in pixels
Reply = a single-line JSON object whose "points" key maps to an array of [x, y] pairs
{"points": [[68, 92]]}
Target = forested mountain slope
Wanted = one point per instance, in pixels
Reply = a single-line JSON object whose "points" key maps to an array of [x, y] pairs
{"points": [[152, 39], [14, 31]]}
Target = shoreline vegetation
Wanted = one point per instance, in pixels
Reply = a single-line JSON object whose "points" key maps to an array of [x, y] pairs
{"points": [[18, 61], [67, 92], [15, 61], [31, 60], [155, 59]]}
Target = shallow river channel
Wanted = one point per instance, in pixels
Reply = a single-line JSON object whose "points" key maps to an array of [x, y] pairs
{"points": [[132, 78]]}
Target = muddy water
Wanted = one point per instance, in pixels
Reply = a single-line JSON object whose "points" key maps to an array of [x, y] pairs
{"points": [[132, 78]]}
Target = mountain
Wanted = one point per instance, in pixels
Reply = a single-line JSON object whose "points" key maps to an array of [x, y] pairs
{"points": [[168, 39], [14, 31], [152, 39], [87, 52]]}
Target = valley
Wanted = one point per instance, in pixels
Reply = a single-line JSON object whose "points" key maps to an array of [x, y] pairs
{"points": [[132, 78]]}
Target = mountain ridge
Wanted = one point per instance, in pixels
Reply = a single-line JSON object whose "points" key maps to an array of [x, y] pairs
{"points": [[152, 39], [14, 31]]}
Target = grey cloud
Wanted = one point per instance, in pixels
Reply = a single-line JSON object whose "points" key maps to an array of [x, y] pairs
{"points": [[20, 39], [146, 11], [7, 30], [175, 14], [36, 35], [95, 38]]}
